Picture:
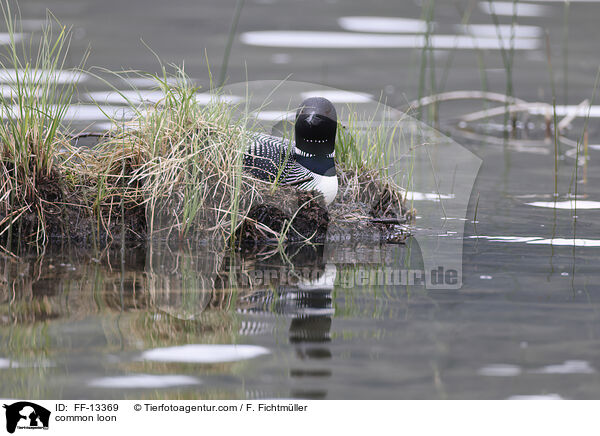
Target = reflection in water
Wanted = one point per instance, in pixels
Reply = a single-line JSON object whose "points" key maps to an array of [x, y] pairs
{"points": [[298, 38], [567, 204], [339, 96], [141, 96], [500, 370], [512, 8], [305, 298], [143, 381], [536, 397], [60, 76], [86, 112], [169, 320], [536, 240], [501, 30], [568, 367], [71, 318], [204, 353], [383, 24]]}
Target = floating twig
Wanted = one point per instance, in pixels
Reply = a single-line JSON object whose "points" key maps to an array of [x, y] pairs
{"points": [[566, 121], [520, 107], [465, 95]]}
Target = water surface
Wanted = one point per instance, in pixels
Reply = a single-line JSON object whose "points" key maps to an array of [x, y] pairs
{"points": [[180, 322]]}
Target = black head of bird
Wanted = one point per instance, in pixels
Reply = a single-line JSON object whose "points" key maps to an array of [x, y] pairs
{"points": [[316, 126]]}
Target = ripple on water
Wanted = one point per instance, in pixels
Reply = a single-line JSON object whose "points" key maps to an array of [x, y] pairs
{"points": [[274, 115], [9, 91], [567, 367], [382, 24], [427, 196], [150, 82], [309, 39], [512, 8], [500, 370], [143, 381], [83, 112], [204, 353], [60, 77], [144, 96], [565, 1], [567, 204], [541, 241], [7, 363], [5, 38], [582, 111], [505, 30], [536, 397], [339, 96], [281, 58]]}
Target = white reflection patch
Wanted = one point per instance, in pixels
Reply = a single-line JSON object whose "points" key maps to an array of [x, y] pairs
{"points": [[143, 381], [336, 96], [541, 241], [7, 363], [274, 115], [5, 38], [505, 31], [427, 196], [568, 110], [500, 370], [308, 39], [382, 24], [92, 112], [152, 97], [61, 76], [567, 204], [204, 353], [536, 397], [567, 367], [512, 8]]}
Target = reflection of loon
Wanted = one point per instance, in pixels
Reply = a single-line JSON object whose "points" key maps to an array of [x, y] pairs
{"points": [[308, 163], [309, 303], [308, 297]]}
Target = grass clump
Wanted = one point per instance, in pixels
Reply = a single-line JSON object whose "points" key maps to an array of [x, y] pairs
{"points": [[33, 105], [365, 153], [183, 166]]}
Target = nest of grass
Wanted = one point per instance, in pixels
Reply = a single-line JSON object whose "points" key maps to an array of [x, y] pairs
{"points": [[369, 206]]}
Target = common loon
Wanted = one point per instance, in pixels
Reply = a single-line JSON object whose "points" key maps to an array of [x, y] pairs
{"points": [[307, 163]]}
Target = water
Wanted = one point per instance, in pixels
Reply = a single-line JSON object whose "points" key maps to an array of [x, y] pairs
{"points": [[175, 323]]}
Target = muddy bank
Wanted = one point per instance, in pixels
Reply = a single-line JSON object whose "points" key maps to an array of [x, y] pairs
{"points": [[63, 212], [56, 211], [366, 209]]}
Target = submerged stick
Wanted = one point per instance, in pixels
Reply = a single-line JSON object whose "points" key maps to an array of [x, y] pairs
{"points": [[520, 107], [564, 123], [465, 95]]}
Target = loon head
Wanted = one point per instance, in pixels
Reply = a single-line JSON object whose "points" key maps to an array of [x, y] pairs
{"points": [[315, 127]]}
